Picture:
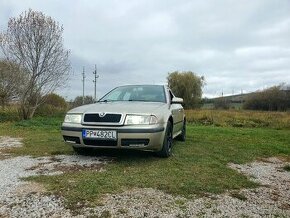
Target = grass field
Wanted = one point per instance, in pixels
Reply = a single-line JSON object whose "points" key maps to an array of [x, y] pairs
{"points": [[239, 118], [198, 166]]}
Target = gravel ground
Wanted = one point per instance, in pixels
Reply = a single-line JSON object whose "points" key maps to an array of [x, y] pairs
{"points": [[25, 199], [8, 142], [272, 199]]}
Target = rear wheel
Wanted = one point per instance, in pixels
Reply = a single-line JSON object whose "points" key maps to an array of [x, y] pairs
{"points": [[182, 136], [166, 150]]}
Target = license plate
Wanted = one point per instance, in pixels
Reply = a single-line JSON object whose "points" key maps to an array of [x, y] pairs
{"points": [[100, 134]]}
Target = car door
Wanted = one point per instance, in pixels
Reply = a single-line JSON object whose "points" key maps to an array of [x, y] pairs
{"points": [[177, 114]]}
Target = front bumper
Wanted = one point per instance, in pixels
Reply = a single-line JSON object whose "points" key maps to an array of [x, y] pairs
{"points": [[129, 137]]}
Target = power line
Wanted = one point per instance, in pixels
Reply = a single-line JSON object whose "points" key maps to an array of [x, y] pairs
{"points": [[95, 82], [84, 76]]}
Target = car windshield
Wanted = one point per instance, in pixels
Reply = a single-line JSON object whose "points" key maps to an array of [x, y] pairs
{"points": [[150, 93]]}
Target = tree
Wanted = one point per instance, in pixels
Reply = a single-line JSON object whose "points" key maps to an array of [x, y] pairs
{"points": [[78, 101], [272, 99], [11, 82], [34, 42], [186, 85]]}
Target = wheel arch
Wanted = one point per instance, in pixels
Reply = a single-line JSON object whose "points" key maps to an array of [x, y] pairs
{"points": [[170, 119]]}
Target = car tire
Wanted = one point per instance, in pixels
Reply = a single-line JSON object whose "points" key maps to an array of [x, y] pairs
{"points": [[182, 136], [166, 150]]}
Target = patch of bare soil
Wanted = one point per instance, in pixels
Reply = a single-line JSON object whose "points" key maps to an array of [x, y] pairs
{"points": [[29, 188]]}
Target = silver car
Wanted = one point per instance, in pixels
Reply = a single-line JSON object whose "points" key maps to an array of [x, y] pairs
{"points": [[144, 117]]}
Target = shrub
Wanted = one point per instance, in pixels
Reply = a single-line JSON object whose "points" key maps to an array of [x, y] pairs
{"points": [[78, 101], [54, 105], [55, 100], [9, 113], [272, 99], [221, 103]]}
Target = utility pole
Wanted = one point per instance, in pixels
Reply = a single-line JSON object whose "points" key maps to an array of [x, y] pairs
{"points": [[95, 82], [84, 76]]}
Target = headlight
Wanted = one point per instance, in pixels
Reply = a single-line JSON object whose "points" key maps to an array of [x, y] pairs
{"points": [[73, 118], [140, 119]]}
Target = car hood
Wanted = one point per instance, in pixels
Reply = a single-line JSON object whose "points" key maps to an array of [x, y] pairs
{"points": [[125, 107]]}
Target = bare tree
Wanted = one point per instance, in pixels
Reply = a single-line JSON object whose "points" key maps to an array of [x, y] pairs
{"points": [[11, 82], [34, 41]]}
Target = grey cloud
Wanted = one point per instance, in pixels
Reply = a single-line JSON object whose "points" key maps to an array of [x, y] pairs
{"points": [[234, 44]]}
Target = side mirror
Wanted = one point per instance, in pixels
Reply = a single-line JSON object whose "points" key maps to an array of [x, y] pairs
{"points": [[176, 100]]}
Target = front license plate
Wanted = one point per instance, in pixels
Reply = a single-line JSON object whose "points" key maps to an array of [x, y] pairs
{"points": [[100, 134]]}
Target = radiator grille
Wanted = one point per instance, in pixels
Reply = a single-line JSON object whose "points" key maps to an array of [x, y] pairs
{"points": [[107, 118]]}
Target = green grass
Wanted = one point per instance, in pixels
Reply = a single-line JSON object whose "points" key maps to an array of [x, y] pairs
{"points": [[41, 136], [198, 166]]}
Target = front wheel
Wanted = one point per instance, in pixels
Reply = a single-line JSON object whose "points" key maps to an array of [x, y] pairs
{"points": [[166, 150]]}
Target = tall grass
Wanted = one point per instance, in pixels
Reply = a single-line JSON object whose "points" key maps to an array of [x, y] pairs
{"points": [[9, 114], [239, 118]]}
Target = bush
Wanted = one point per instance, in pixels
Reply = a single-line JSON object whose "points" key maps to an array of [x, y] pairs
{"points": [[272, 99], [55, 100], [78, 101], [54, 105], [9, 113], [221, 103]]}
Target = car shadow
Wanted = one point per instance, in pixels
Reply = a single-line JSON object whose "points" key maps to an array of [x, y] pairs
{"points": [[120, 154]]}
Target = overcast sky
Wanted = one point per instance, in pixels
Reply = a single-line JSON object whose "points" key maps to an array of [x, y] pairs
{"points": [[235, 45]]}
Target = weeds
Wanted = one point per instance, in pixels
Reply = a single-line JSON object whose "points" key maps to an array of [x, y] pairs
{"points": [[9, 114]]}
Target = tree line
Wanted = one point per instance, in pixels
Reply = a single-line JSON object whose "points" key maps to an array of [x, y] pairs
{"points": [[276, 98]]}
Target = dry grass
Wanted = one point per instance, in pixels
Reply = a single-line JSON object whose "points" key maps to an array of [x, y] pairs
{"points": [[9, 113], [240, 118]]}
